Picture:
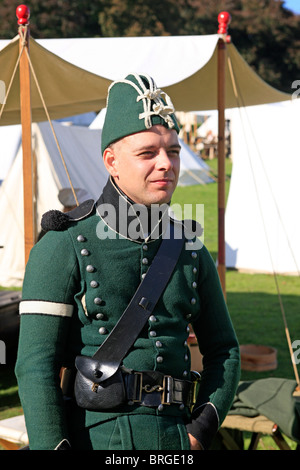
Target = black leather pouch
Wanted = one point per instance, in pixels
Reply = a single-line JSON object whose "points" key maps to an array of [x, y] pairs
{"points": [[95, 392]]}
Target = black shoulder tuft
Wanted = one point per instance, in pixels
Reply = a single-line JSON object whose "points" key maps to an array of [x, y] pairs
{"points": [[55, 220], [58, 221]]}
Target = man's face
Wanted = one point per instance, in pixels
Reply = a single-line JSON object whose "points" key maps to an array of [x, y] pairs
{"points": [[146, 165]]}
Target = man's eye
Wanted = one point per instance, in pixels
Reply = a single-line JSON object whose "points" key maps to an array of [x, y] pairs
{"points": [[173, 153], [147, 154]]}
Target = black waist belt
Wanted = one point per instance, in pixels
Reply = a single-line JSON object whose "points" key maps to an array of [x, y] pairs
{"points": [[148, 388], [151, 388]]}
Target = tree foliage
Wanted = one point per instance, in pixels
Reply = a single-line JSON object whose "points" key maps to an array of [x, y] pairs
{"points": [[54, 18], [264, 31]]}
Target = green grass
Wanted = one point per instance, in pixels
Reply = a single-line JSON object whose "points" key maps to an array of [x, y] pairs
{"points": [[252, 301], [9, 398], [254, 307]]}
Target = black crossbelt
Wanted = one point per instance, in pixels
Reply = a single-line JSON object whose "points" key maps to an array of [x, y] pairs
{"points": [[116, 345]]}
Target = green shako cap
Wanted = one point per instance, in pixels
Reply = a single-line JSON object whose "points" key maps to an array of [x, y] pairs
{"points": [[135, 104]]}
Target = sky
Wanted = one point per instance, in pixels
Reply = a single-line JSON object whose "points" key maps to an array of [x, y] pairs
{"points": [[293, 5]]}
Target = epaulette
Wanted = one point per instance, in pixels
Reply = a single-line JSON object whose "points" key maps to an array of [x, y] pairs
{"points": [[58, 221]]}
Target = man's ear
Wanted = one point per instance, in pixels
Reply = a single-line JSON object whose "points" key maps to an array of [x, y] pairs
{"points": [[109, 160]]}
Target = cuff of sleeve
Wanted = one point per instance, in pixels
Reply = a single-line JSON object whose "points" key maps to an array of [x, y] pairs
{"points": [[63, 445], [205, 426]]}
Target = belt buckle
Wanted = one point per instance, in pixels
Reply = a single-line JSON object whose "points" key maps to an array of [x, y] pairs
{"points": [[167, 390], [138, 385], [196, 378]]}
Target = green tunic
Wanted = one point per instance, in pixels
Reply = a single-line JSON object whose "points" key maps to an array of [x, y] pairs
{"points": [[75, 289]]}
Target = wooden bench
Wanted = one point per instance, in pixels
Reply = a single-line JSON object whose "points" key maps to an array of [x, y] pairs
{"points": [[256, 426], [13, 434]]}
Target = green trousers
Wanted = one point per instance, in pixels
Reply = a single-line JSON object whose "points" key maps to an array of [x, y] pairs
{"points": [[134, 432]]}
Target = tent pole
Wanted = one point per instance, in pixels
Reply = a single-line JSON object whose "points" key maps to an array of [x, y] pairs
{"points": [[23, 15], [224, 20]]}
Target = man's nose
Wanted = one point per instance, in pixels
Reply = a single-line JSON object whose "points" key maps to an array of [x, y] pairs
{"points": [[164, 162]]}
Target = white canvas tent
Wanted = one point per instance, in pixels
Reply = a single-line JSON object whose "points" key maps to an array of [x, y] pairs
{"points": [[10, 138], [262, 214], [193, 170], [74, 74], [81, 151]]}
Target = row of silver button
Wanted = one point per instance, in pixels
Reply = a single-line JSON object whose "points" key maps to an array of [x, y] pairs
{"points": [[98, 300], [94, 284]]}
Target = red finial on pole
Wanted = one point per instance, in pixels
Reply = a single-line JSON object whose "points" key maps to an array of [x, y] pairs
{"points": [[224, 19], [23, 15]]}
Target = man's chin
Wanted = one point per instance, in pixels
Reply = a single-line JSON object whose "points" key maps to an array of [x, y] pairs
{"points": [[159, 201], [161, 197]]}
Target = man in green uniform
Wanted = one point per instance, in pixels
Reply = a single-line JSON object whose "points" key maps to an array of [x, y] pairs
{"points": [[82, 275]]}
